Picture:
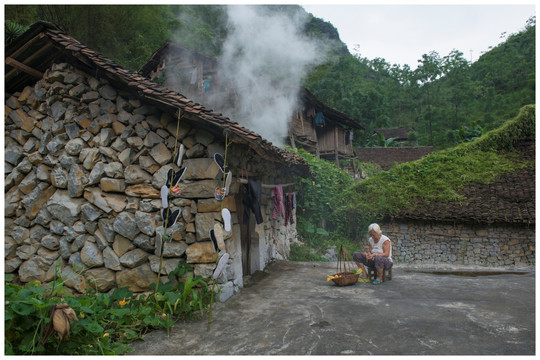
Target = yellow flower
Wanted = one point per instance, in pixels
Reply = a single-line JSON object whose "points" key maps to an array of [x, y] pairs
{"points": [[122, 303], [81, 315], [106, 334], [164, 315]]}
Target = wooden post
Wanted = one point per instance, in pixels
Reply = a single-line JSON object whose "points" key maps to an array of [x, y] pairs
{"points": [[25, 68], [336, 145]]}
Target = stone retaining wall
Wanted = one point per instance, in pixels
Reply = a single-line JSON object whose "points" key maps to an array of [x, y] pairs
{"points": [[464, 244], [84, 163]]}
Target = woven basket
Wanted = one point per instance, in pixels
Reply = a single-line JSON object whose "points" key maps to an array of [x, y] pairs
{"points": [[345, 269], [345, 279]]}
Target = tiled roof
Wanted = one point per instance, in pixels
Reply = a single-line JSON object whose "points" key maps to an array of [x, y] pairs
{"points": [[387, 157], [509, 199], [45, 43]]}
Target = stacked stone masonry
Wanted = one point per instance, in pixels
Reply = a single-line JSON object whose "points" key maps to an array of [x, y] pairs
{"points": [[84, 163], [465, 244]]}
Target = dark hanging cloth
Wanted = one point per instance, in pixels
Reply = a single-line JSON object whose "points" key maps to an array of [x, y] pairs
{"points": [[348, 137], [289, 205], [251, 198], [319, 120]]}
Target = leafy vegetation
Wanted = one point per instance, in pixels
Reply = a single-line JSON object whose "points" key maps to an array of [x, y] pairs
{"points": [[106, 323]]}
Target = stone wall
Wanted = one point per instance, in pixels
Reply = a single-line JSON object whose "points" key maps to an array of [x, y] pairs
{"points": [[463, 244], [84, 163]]}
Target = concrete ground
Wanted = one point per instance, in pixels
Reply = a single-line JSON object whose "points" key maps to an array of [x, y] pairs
{"points": [[290, 309]]}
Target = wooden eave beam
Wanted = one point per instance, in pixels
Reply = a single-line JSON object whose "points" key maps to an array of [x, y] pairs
{"points": [[37, 54], [25, 68]]}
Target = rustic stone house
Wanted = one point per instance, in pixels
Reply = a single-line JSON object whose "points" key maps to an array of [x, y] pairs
{"points": [[495, 224], [88, 145], [183, 69]]}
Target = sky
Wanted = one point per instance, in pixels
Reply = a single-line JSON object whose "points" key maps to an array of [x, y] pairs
{"points": [[401, 34]]}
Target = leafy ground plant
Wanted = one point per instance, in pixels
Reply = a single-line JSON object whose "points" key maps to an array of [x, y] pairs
{"points": [[105, 323]]}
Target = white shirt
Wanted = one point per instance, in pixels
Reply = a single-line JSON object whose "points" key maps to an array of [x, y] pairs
{"points": [[376, 248]]}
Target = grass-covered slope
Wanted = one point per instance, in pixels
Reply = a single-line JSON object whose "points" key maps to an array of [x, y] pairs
{"points": [[439, 176]]}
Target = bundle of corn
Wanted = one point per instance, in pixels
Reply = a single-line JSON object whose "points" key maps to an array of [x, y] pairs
{"points": [[61, 316]]}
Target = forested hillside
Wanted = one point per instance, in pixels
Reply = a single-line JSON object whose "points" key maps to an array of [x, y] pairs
{"points": [[446, 99]]}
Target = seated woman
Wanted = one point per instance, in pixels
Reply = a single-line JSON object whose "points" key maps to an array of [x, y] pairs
{"points": [[379, 255]]}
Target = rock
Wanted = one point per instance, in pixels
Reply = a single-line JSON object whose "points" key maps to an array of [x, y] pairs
{"points": [[37, 199], [91, 159], [160, 176], [134, 258], [33, 269], [204, 222], [101, 241], [144, 191], [95, 196], [102, 279], [25, 166], [57, 110], [167, 265], [148, 164], [56, 144], [196, 151], [137, 279], [50, 242], [25, 252], [200, 189], [201, 253], [135, 175], [112, 185], [202, 168], [73, 280], [59, 177], [35, 158], [125, 157], [90, 96], [226, 291], [118, 127], [64, 249], [114, 170], [135, 142], [117, 202], [74, 147], [204, 270], [11, 265], [145, 223], [96, 173], [126, 225], [108, 92], [106, 136], [76, 181], [72, 130], [90, 255], [19, 234], [10, 247], [29, 183], [111, 260], [64, 208], [13, 154], [89, 212], [174, 249], [48, 256], [144, 242], [161, 154], [121, 245], [152, 139]]}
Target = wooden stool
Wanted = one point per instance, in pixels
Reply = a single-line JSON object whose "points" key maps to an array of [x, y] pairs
{"points": [[372, 274]]}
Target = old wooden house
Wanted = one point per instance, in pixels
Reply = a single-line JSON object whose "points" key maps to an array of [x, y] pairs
{"points": [[89, 147], [314, 126]]}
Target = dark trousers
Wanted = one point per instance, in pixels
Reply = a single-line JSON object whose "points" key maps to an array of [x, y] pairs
{"points": [[379, 262]]}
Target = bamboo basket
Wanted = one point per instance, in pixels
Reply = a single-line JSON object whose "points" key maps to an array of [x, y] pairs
{"points": [[344, 270]]}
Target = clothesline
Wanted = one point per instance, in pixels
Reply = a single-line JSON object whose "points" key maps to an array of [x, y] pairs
{"points": [[266, 186]]}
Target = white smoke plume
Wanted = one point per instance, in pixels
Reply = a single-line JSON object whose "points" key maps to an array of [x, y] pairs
{"points": [[266, 57]]}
